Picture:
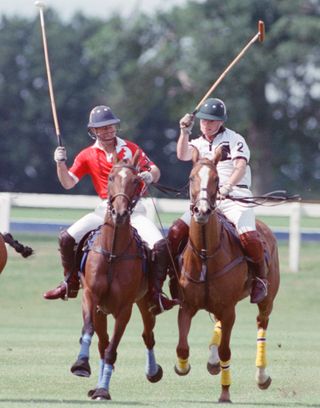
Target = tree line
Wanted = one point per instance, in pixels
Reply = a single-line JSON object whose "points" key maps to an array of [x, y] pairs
{"points": [[152, 70]]}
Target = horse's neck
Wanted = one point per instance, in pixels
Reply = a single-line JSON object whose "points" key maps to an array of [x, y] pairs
{"points": [[209, 232], [116, 237]]}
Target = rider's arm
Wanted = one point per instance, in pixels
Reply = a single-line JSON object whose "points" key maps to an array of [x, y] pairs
{"points": [[238, 171], [155, 171], [184, 150], [66, 180]]}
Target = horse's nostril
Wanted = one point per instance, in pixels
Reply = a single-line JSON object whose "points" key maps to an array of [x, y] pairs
{"points": [[196, 210]]}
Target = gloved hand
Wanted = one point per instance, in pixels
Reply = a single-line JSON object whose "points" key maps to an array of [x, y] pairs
{"points": [[146, 177], [187, 122], [60, 154], [224, 191]]}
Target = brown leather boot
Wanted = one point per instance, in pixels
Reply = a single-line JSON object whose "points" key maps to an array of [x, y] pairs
{"points": [[177, 238], [253, 248], [70, 286]]}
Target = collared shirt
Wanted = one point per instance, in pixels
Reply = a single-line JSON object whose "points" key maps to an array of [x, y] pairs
{"points": [[234, 147], [97, 163]]}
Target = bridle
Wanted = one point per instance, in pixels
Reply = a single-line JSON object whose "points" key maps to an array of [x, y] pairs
{"points": [[210, 201], [131, 201]]}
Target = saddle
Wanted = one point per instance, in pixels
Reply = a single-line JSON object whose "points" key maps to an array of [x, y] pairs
{"points": [[86, 244]]}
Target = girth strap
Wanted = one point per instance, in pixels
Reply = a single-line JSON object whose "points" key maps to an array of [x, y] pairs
{"points": [[112, 257], [222, 271]]}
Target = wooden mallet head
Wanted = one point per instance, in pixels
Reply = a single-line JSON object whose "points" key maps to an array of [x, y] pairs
{"points": [[261, 30]]}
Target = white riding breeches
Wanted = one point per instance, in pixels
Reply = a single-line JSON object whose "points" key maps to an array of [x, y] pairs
{"points": [[239, 214], [145, 227]]}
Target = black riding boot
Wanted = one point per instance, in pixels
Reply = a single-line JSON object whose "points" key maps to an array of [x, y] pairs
{"points": [[160, 264], [70, 286], [177, 237]]}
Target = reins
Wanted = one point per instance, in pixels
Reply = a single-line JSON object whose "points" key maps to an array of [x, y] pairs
{"points": [[270, 199]]}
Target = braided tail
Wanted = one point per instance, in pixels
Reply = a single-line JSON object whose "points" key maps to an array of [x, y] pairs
{"points": [[25, 251]]}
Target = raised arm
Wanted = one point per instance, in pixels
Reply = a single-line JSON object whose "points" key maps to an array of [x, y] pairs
{"points": [[184, 150], [60, 157]]}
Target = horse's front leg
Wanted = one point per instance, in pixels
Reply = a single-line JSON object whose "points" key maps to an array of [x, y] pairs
{"points": [[185, 316], [213, 364], [81, 367], [121, 321], [152, 369], [227, 322]]}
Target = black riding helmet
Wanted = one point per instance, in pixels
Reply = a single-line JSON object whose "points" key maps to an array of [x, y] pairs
{"points": [[212, 109], [101, 116]]}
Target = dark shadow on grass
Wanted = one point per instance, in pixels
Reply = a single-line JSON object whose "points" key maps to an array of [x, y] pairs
{"points": [[56, 401]]}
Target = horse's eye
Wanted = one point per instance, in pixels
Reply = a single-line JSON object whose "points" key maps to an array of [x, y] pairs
{"points": [[191, 178], [111, 178]]}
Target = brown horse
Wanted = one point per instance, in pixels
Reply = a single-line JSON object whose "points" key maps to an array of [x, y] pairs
{"points": [[215, 276], [115, 278], [7, 238]]}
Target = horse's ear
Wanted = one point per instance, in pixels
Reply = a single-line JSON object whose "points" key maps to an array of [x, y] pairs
{"points": [[136, 158], [195, 155], [217, 155], [115, 158]]}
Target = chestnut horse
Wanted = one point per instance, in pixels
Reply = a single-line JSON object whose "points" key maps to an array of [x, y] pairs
{"points": [[115, 278], [215, 276], [25, 251]]}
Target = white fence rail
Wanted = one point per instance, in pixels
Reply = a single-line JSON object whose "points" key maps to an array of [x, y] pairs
{"points": [[292, 210]]}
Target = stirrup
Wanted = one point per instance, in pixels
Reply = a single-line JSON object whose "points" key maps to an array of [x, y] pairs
{"points": [[259, 290], [264, 283]]}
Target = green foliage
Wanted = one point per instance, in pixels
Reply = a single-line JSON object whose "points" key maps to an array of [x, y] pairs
{"points": [[153, 69]]}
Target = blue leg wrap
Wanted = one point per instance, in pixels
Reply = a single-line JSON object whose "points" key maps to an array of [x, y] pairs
{"points": [[101, 368], [151, 367], [85, 346], [106, 377]]}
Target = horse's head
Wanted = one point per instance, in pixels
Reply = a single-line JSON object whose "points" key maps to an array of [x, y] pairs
{"points": [[204, 184], [124, 188]]}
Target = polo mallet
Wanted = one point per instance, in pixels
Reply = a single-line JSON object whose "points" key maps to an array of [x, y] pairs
{"points": [[259, 36], [41, 5]]}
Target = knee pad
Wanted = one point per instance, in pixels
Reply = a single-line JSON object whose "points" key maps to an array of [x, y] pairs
{"points": [[178, 235], [66, 240], [252, 245]]}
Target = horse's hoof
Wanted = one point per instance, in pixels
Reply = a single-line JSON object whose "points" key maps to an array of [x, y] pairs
{"points": [[266, 384], [213, 369], [100, 394], [223, 400], [157, 377], [81, 368], [187, 371]]}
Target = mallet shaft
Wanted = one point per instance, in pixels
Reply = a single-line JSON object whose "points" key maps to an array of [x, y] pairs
{"points": [[46, 57], [260, 36]]}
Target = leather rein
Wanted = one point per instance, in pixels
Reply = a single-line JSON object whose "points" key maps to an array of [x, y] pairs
{"points": [[203, 252]]}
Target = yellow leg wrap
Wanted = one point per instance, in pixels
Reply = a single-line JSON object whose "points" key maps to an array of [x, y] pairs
{"points": [[182, 364], [225, 373], [261, 358], [216, 335]]}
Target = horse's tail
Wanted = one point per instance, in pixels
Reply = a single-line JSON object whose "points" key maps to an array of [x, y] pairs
{"points": [[25, 251]]}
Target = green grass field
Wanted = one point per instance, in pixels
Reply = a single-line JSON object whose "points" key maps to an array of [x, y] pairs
{"points": [[39, 342]]}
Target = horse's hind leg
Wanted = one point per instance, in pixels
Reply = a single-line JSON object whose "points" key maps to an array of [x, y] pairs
{"points": [[81, 367], [153, 370], [262, 378], [213, 365]]}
